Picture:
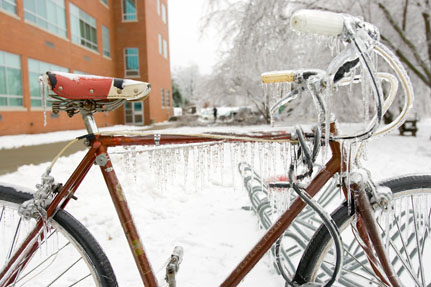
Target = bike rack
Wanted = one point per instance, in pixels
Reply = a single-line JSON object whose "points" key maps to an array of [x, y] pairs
{"points": [[300, 231]]}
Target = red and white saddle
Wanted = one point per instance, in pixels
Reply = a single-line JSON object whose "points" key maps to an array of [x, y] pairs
{"points": [[90, 87]]}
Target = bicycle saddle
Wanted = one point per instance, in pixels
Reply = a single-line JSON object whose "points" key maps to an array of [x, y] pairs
{"points": [[90, 87]]}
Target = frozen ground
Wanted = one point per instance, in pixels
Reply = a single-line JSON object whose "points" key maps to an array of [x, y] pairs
{"points": [[205, 217]]}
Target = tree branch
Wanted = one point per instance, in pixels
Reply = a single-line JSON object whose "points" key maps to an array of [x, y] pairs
{"points": [[406, 61], [427, 24], [409, 44], [406, 5]]}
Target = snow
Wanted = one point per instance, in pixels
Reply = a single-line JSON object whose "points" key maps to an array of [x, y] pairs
{"points": [[206, 218]]}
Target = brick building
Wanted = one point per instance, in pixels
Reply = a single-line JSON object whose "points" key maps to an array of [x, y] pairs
{"points": [[116, 38]]}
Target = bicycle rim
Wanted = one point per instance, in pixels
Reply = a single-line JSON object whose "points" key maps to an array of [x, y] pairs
{"points": [[407, 222], [63, 257]]}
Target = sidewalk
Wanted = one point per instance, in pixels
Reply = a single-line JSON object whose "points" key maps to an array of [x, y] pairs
{"points": [[11, 159]]}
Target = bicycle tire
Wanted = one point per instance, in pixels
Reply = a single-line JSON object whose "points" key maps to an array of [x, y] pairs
{"points": [[69, 248], [315, 265]]}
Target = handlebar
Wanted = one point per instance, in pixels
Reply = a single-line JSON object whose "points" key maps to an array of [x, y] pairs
{"points": [[330, 23], [317, 22], [363, 40]]}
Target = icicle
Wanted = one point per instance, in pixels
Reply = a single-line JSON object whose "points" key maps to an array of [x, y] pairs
{"points": [[331, 43], [267, 160], [326, 132], [271, 197], [202, 169], [338, 46], [195, 167], [210, 162], [347, 175], [261, 161], [177, 163], [366, 93], [43, 89], [221, 160], [293, 161], [255, 146], [274, 157], [185, 151], [133, 162]]}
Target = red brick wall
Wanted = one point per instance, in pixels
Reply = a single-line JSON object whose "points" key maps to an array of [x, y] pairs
{"points": [[158, 65], [29, 41]]}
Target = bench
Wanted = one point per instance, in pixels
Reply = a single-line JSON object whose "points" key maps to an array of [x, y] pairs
{"points": [[409, 126]]}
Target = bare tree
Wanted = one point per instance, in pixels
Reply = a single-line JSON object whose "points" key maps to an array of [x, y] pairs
{"points": [[260, 40], [187, 80], [411, 35]]}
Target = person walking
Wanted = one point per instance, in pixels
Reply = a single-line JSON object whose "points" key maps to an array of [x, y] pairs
{"points": [[215, 113]]}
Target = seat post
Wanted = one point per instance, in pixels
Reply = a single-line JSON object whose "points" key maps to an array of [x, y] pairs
{"points": [[89, 122]]}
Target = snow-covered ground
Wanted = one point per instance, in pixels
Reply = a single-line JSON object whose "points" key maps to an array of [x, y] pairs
{"points": [[205, 217]]}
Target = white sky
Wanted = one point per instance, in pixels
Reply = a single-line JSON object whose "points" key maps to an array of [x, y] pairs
{"points": [[187, 47]]}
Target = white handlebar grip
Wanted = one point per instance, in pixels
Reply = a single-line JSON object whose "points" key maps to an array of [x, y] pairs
{"points": [[317, 22]]}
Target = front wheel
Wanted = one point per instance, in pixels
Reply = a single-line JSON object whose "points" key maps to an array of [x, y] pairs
{"points": [[408, 244], [67, 254]]}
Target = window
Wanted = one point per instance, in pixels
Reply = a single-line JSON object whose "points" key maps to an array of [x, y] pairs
{"points": [[10, 80], [160, 44], [106, 41], [158, 7], [134, 113], [165, 49], [168, 99], [105, 2], [8, 5], [83, 28], [131, 59], [49, 15], [80, 72], [129, 10], [162, 97], [163, 13], [35, 70]]}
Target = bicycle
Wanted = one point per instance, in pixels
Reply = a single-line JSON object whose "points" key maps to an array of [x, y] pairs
{"points": [[45, 211]]}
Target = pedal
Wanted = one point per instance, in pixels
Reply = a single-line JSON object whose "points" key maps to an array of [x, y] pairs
{"points": [[174, 265]]}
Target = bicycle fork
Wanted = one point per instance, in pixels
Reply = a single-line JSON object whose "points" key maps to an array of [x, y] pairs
{"points": [[369, 232]]}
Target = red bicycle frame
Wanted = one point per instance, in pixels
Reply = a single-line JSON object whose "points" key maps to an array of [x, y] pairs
{"points": [[98, 152]]}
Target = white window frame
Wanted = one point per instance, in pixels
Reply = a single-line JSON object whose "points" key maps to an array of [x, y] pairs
{"points": [[165, 49], [160, 44], [8, 96], [59, 31], [125, 64], [78, 38], [11, 3], [168, 98], [164, 13], [123, 15], [158, 7], [162, 93], [106, 50], [133, 113]]}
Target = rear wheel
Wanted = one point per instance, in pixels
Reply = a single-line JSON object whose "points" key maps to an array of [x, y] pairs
{"points": [[407, 223], [70, 256]]}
